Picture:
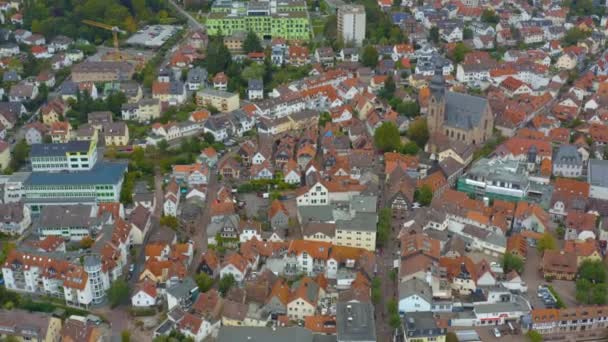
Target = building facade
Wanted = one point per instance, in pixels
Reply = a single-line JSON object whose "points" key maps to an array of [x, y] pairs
{"points": [[351, 24], [268, 20]]}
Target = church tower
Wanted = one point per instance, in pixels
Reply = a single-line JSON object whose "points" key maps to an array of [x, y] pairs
{"points": [[436, 106]]}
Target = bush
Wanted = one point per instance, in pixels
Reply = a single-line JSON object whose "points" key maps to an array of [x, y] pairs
{"points": [[559, 302], [142, 312]]}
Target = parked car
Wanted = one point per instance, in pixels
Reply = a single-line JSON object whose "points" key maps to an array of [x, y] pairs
{"points": [[496, 332]]}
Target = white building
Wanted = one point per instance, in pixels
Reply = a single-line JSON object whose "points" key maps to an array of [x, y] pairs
{"points": [[351, 24], [145, 296]]}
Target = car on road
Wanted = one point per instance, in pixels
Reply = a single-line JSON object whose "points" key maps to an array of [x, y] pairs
{"points": [[131, 268], [496, 332]]}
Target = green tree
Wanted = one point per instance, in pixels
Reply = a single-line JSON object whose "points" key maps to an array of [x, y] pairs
{"points": [[169, 221], [467, 33], [118, 293], [386, 137], [324, 118], [419, 132], [534, 336], [226, 283], [125, 336], [460, 52], [252, 43], [490, 17], [410, 148], [20, 155], [115, 101], [388, 90], [575, 35], [370, 56], [594, 271], [218, 57], [408, 108], [546, 242], [376, 290], [424, 195], [511, 262], [254, 71], [203, 281], [434, 34], [384, 226]]}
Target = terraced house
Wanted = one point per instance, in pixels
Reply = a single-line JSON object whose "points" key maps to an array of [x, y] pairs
{"points": [[273, 19]]}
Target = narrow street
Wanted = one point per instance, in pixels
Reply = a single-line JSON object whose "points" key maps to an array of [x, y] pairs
{"points": [[191, 20], [200, 233], [384, 261]]}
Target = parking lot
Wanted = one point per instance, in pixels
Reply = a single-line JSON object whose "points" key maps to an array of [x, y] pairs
{"points": [[533, 278]]}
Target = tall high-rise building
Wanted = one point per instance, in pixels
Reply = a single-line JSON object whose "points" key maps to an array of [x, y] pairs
{"points": [[351, 24]]}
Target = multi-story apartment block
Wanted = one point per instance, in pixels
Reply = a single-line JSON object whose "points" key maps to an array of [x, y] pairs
{"points": [[569, 320], [70, 156], [222, 100], [285, 19], [351, 24], [142, 111]]}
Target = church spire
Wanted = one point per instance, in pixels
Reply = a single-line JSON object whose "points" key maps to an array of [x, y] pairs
{"points": [[438, 84]]}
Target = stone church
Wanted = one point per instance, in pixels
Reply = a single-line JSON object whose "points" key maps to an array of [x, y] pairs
{"points": [[458, 116]]}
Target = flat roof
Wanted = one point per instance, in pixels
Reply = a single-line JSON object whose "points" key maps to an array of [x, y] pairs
{"points": [[56, 150], [101, 173]]}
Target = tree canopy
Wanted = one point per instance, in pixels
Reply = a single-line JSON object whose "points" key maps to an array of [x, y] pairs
{"points": [[118, 293], [64, 17], [419, 132], [252, 43], [512, 262], [489, 16], [204, 282], [546, 242], [386, 137], [370, 56], [226, 283], [424, 195]]}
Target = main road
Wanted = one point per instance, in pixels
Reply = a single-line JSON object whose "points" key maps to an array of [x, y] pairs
{"points": [[191, 20]]}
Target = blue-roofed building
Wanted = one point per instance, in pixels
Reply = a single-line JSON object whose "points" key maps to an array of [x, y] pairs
{"points": [[399, 17], [102, 183]]}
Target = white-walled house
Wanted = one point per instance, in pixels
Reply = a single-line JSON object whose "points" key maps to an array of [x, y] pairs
{"points": [[145, 295], [415, 295], [236, 265]]}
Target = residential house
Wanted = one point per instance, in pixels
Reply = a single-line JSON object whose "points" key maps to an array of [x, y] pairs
{"points": [[146, 294], [560, 265]]}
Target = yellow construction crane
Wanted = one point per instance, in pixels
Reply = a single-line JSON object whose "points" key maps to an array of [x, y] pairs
{"points": [[115, 31]]}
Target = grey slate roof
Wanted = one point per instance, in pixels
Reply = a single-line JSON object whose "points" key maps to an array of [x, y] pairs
{"points": [[417, 287], [360, 222], [361, 203], [59, 150], [255, 84], [598, 173], [197, 75], [420, 324], [102, 173], [463, 111], [183, 288], [567, 155], [65, 216], [264, 334], [355, 322], [315, 213]]}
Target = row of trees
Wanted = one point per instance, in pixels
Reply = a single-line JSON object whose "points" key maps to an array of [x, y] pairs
{"points": [[64, 17]]}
